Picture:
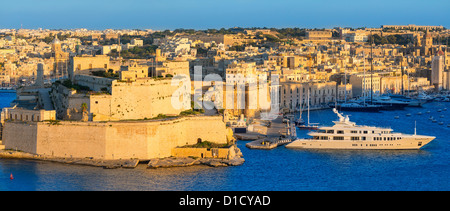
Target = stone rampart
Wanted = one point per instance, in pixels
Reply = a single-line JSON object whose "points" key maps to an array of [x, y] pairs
{"points": [[112, 140]]}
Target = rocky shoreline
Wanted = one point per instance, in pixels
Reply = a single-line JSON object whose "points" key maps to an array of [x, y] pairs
{"points": [[188, 161], [127, 163]]}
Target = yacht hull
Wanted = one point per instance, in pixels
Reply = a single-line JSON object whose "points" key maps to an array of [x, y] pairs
{"points": [[405, 143], [305, 127], [360, 109]]}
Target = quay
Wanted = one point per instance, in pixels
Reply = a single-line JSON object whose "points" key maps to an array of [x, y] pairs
{"points": [[267, 143], [278, 133]]}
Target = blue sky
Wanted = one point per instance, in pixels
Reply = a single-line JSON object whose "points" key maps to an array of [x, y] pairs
{"points": [[204, 14]]}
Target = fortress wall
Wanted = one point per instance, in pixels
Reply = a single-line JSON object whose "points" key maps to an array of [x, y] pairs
{"points": [[66, 139], [144, 98], [23, 134], [113, 140], [100, 107]]}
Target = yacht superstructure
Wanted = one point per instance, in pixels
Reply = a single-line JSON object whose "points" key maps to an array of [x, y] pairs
{"points": [[347, 135]]}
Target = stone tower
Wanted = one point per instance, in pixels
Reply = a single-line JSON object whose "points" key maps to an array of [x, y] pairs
{"points": [[39, 75], [428, 40], [427, 43]]}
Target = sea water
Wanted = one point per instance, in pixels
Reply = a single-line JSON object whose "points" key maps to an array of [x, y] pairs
{"points": [[279, 169]]}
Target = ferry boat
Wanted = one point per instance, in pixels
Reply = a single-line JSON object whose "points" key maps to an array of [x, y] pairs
{"points": [[347, 135]]}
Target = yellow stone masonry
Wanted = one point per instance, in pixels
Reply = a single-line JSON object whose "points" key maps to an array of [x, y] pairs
{"points": [[113, 140]]}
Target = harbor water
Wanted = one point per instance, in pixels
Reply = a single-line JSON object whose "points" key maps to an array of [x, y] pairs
{"points": [[279, 169]]}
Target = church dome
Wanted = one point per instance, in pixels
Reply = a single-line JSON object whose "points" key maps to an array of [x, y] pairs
{"points": [[56, 40]]}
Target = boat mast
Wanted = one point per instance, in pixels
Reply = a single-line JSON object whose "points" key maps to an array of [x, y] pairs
{"points": [[345, 84], [401, 68], [371, 69], [309, 83], [308, 105], [364, 84], [409, 83]]}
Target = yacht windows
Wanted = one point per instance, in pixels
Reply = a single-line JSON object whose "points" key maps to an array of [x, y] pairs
{"points": [[363, 138], [315, 137], [321, 131], [340, 132], [354, 138], [354, 131], [338, 138], [365, 132], [323, 137], [330, 131]]}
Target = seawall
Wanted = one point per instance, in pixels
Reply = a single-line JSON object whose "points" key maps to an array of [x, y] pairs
{"points": [[143, 139]]}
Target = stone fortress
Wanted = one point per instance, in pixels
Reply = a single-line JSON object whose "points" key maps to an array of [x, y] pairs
{"points": [[88, 116]]}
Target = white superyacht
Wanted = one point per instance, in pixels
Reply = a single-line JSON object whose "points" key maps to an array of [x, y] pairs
{"points": [[347, 135]]}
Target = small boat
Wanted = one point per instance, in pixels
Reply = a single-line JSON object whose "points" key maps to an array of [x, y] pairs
{"points": [[428, 112], [448, 125], [441, 116], [431, 118], [411, 102], [408, 114], [439, 110], [299, 122], [420, 113], [441, 123], [397, 117], [434, 121], [424, 97]]}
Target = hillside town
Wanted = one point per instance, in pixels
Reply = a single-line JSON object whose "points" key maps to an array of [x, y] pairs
{"points": [[121, 83]]}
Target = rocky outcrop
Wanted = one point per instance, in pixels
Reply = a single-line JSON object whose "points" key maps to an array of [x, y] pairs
{"points": [[187, 161]]}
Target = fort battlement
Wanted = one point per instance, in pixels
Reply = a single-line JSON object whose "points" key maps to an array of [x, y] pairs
{"points": [[143, 139]]}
